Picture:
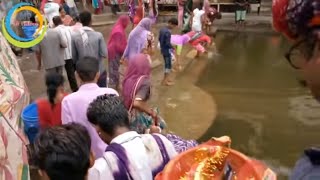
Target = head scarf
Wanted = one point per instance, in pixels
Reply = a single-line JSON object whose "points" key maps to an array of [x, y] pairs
{"points": [[137, 38], [180, 39], [296, 18], [115, 45], [139, 66]]}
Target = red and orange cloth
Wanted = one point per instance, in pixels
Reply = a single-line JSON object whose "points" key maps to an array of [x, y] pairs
{"points": [[295, 18]]}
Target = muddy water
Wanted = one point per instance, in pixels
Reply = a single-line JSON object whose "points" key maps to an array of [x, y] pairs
{"points": [[260, 103]]}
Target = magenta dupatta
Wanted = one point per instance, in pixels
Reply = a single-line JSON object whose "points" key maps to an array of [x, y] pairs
{"points": [[139, 66], [118, 40]]}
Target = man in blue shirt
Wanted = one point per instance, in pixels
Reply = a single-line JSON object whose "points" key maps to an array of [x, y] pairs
{"points": [[166, 49]]}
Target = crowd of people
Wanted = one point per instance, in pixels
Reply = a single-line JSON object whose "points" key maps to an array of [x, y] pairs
{"points": [[105, 128], [97, 132]]}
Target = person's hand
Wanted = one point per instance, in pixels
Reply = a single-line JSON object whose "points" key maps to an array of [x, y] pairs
{"points": [[154, 116]]}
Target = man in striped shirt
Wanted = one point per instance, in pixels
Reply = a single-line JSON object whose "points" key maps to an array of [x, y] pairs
{"points": [[69, 63]]}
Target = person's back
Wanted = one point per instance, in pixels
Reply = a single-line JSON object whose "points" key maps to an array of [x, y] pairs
{"points": [[67, 32], [89, 43], [196, 21], [49, 109], [164, 35], [51, 50], [93, 49], [138, 161], [148, 157], [129, 155], [159, 151], [74, 106], [49, 115], [51, 9]]}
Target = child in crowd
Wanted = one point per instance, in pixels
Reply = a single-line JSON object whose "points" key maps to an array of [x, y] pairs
{"points": [[166, 48]]}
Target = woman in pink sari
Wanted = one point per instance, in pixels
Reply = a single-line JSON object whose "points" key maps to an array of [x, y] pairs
{"points": [[116, 45], [136, 92], [180, 13]]}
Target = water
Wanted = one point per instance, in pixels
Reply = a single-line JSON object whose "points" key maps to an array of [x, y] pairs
{"points": [[261, 105]]}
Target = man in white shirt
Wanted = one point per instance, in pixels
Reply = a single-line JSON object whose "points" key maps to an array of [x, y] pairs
{"points": [[128, 155], [197, 23], [51, 9], [69, 64]]}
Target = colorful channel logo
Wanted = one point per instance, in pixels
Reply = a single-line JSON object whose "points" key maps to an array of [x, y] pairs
{"points": [[16, 40]]}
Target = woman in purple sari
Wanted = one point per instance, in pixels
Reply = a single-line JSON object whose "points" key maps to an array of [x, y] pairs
{"points": [[136, 92], [140, 40]]}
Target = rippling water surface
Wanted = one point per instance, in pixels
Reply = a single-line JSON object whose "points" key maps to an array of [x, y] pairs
{"points": [[260, 102]]}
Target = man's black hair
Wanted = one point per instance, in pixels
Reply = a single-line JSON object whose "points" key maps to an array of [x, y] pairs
{"points": [[87, 68], [173, 21], [61, 8], [85, 18], [108, 112], [63, 152], [57, 20], [76, 19]]}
